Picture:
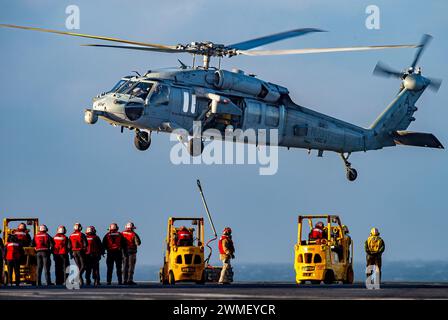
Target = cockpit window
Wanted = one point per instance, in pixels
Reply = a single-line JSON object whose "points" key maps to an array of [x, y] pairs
{"points": [[118, 85], [140, 90], [125, 86], [160, 95]]}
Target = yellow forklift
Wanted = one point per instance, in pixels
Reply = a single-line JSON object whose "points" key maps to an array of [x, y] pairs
{"points": [[186, 262], [329, 259], [28, 263]]}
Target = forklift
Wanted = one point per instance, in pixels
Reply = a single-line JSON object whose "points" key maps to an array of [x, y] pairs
{"points": [[186, 262], [28, 264], [329, 259]]}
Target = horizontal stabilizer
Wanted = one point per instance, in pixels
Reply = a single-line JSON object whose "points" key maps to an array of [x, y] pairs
{"points": [[417, 139]]}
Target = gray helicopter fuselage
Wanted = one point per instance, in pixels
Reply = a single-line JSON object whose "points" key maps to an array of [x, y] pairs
{"points": [[220, 99]]}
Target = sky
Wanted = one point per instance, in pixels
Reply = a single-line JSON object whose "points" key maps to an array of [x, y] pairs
{"points": [[56, 167]]}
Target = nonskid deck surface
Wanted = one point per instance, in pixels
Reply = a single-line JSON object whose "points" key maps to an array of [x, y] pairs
{"points": [[248, 290]]}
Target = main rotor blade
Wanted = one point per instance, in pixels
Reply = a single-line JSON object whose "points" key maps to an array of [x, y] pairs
{"points": [[383, 70], [136, 48], [253, 43], [319, 50], [145, 44], [426, 39]]}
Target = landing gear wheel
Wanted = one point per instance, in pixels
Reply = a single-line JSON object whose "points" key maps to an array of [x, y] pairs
{"points": [[195, 147], [352, 174], [142, 140], [171, 279]]}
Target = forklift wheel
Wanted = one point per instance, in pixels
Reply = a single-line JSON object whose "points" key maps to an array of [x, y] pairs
{"points": [[329, 277], [162, 279], [171, 280], [349, 278], [202, 281], [315, 282]]}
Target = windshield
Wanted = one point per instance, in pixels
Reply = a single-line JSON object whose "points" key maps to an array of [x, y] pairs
{"points": [[118, 85], [125, 86]]}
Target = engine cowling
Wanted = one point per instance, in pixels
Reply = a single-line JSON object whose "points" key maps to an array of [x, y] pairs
{"points": [[238, 81]]}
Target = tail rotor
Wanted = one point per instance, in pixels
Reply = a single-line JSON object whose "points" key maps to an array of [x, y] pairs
{"points": [[383, 70]]}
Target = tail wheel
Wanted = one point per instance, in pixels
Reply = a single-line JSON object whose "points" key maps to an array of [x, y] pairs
{"points": [[329, 277], [195, 147], [349, 277], [171, 279]]}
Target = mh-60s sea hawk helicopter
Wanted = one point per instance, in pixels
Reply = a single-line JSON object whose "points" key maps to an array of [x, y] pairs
{"points": [[164, 101]]}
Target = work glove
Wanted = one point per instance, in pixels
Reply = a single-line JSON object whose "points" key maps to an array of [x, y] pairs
{"points": [[71, 256], [233, 256]]}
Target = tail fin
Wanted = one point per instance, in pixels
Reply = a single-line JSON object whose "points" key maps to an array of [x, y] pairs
{"points": [[399, 114]]}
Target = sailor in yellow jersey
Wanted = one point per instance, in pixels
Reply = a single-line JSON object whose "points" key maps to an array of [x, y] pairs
{"points": [[374, 247]]}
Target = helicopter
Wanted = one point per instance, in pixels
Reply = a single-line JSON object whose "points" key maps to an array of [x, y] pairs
{"points": [[170, 100]]}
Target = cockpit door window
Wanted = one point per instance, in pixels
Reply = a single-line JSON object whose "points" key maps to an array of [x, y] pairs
{"points": [[139, 90], [160, 95]]}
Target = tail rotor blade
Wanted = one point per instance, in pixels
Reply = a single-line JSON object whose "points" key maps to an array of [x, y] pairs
{"points": [[383, 70], [426, 39], [434, 84]]}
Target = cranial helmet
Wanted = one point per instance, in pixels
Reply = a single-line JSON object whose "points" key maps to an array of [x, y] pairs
{"points": [[22, 227], [374, 232], [319, 225], [43, 228], [77, 226], [130, 226], [227, 231], [113, 227], [61, 229], [91, 229]]}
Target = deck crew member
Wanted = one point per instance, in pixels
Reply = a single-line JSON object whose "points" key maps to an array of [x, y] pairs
{"points": [[93, 256], [60, 254], [22, 235], [226, 253], [13, 255], [132, 241], [113, 243], [184, 237], [374, 247], [78, 245], [43, 244]]}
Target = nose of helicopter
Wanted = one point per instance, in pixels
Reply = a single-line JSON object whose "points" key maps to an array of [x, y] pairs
{"points": [[118, 108]]}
